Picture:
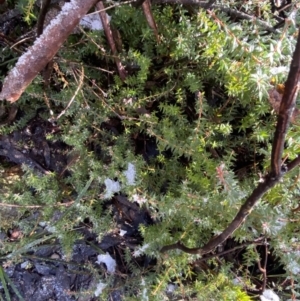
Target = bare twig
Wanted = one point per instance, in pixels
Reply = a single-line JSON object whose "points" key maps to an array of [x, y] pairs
{"points": [[112, 6], [245, 210], [293, 164], [35, 206], [257, 242]]}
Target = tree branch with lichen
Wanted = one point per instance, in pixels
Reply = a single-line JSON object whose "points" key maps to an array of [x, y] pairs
{"points": [[273, 177], [44, 48]]}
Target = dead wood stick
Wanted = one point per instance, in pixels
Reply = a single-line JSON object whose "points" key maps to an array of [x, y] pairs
{"points": [[44, 49]]}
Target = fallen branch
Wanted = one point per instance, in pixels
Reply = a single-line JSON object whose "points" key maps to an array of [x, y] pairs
{"points": [[273, 177], [44, 49]]}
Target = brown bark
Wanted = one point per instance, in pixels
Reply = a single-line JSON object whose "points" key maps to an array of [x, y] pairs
{"points": [[110, 39], [44, 49], [286, 111]]}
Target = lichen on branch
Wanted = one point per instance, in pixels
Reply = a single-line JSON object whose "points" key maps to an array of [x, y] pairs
{"points": [[44, 49]]}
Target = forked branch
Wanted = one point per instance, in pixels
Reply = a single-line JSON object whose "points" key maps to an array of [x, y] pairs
{"points": [[272, 178]]}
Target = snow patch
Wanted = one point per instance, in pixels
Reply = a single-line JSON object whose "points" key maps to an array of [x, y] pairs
{"points": [[171, 288], [25, 264], [269, 295], [93, 21], [293, 266], [100, 287], [111, 188], [237, 281], [108, 261], [130, 174], [279, 70], [51, 229]]}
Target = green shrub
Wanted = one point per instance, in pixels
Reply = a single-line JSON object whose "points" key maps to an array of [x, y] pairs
{"points": [[201, 95]]}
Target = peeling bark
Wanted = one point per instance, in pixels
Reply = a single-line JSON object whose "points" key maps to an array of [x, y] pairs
{"points": [[44, 49]]}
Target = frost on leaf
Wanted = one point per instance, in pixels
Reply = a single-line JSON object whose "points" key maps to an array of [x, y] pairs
{"points": [[144, 293], [139, 199]]}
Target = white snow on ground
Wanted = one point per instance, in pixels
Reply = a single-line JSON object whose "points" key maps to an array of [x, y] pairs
{"points": [[111, 188], [108, 261]]}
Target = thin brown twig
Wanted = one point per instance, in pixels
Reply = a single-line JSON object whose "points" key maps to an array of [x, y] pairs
{"points": [[99, 10], [110, 39], [293, 164], [264, 268], [146, 6], [257, 242], [75, 94], [230, 11]]}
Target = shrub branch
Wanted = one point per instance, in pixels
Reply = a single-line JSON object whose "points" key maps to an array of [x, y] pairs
{"points": [[230, 11], [272, 178]]}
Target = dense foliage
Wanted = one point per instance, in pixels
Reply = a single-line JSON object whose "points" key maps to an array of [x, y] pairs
{"points": [[193, 118]]}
